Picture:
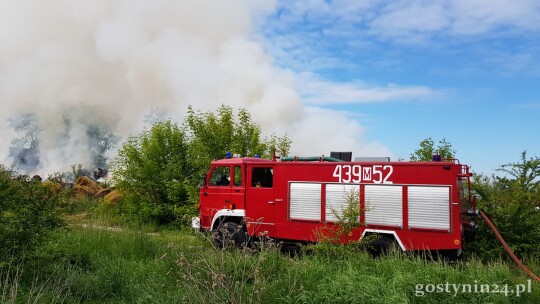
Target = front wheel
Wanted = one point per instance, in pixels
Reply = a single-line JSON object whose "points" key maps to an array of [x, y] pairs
{"points": [[229, 235]]}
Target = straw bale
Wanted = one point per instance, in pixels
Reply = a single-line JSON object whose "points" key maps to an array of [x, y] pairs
{"points": [[55, 188], [103, 192], [113, 197]]}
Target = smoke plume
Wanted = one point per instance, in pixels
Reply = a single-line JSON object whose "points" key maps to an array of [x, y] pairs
{"points": [[78, 77]]}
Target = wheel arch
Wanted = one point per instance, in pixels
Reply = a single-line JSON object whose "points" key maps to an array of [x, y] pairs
{"points": [[386, 233], [227, 215]]}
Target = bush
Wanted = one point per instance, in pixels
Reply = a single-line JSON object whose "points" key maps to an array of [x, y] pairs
{"points": [[151, 170], [28, 212], [511, 202]]}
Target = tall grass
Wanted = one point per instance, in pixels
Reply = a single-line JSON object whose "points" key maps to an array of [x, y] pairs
{"points": [[81, 205], [101, 265], [83, 265], [14, 290], [270, 277], [9, 283]]}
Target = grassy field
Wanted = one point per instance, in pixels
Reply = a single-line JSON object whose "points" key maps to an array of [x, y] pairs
{"points": [[89, 263]]}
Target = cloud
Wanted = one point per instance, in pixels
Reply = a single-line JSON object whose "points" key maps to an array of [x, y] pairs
{"points": [[317, 91], [414, 20], [407, 18], [518, 62]]}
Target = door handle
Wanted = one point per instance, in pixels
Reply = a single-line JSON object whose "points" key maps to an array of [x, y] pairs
{"points": [[270, 202], [279, 200]]}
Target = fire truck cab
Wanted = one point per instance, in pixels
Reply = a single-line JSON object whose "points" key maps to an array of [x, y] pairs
{"points": [[417, 205]]}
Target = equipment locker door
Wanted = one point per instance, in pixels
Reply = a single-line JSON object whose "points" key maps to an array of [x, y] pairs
{"points": [[260, 201]]}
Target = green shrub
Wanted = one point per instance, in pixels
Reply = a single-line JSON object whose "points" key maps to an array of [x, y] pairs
{"points": [[511, 201], [28, 212], [152, 170]]}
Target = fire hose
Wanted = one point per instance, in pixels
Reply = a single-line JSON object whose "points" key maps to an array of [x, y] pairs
{"points": [[507, 248]]}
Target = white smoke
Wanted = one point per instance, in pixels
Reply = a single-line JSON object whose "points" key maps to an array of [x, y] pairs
{"points": [[106, 64]]}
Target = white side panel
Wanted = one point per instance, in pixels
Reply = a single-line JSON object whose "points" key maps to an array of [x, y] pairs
{"points": [[305, 201], [384, 205], [337, 199], [429, 207]]}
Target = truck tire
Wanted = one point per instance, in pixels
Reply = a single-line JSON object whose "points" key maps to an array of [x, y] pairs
{"points": [[449, 255], [229, 235], [380, 246]]}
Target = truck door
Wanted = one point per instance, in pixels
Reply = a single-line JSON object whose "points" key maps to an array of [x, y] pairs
{"points": [[260, 201], [237, 195], [218, 192]]}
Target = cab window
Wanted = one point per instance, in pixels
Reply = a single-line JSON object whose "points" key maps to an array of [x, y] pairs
{"points": [[262, 177], [221, 176]]}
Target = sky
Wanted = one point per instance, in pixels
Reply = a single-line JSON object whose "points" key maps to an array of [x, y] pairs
{"points": [[467, 71], [371, 77]]}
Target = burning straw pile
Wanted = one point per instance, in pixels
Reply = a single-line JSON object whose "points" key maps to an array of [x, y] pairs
{"points": [[85, 187]]}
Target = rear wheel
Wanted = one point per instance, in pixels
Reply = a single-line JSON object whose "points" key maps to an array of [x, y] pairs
{"points": [[229, 235], [380, 246], [449, 255]]}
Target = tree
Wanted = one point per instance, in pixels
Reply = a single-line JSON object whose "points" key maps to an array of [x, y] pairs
{"points": [[281, 145], [153, 170], [101, 138], [160, 169], [427, 150], [213, 134], [28, 125], [100, 133], [511, 201], [526, 173]]}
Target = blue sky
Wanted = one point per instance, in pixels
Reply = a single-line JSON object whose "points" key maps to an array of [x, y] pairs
{"points": [[468, 71]]}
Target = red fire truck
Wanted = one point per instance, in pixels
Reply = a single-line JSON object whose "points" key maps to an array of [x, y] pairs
{"points": [[415, 205]]}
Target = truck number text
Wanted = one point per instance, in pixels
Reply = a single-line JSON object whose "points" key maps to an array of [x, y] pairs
{"points": [[377, 174]]}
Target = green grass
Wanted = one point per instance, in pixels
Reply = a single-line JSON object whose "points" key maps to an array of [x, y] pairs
{"points": [[79, 205], [94, 265]]}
